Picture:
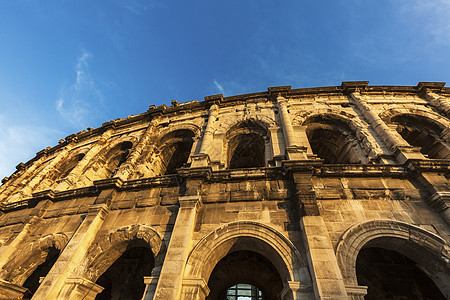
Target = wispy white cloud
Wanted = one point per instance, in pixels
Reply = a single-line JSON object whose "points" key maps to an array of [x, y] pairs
{"points": [[431, 17], [76, 99], [219, 86]]}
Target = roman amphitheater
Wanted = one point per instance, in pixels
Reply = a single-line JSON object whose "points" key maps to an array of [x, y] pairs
{"points": [[337, 192]]}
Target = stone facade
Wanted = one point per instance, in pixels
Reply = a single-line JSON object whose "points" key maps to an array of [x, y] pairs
{"points": [[313, 193]]}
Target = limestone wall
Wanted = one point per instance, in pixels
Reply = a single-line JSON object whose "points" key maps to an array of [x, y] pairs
{"points": [[292, 183]]}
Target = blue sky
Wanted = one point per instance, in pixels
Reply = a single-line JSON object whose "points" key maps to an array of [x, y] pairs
{"points": [[67, 65]]}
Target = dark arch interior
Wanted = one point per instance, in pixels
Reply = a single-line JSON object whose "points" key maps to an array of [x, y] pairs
{"points": [[333, 141], [33, 281], [117, 156], [69, 166], [246, 151], [391, 275], [124, 279], [420, 132], [244, 267], [175, 153]]}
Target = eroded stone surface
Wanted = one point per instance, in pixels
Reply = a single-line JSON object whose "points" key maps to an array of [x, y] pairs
{"points": [[290, 185]]}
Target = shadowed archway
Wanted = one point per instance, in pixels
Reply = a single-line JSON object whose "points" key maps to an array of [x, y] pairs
{"points": [[257, 247], [428, 251], [333, 140]]}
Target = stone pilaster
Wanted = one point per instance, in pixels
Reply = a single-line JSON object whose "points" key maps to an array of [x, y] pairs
{"points": [[150, 287], [288, 130], [170, 282], [356, 292], [11, 291], [296, 291], [398, 146], [13, 247], [202, 159], [427, 90], [305, 193], [73, 254], [293, 150], [304, 201], [28, 189], [31, 223], [194, 289], [73, 176], [431, 176], [327, 278], [440, 201], [127, 168], [80, 288], [9, 187], [210, 127], [302, 139]]}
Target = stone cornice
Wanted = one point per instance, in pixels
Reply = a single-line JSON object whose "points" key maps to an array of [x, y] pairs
{"points": [[356, 170], [353, 86], [190, 202], [433, 86], [428, 165], [101, 210], [214, 99], [315, 167]]}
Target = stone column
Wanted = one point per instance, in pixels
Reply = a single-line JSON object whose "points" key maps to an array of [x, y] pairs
{"points": [[305, 194], [296, 290], [293, 150], [73, 176], [170, 282], [126, 169], [427, 91], [288, 130], [202, 159], [303, 141], [433, 179], [440, 201], [194, 289], [81, 288], [209, 131], [267, 150], [327, 278], [13, 247], [72, 255], [356, 292], [398, 146], [9, 187], [150, 287], [28, 189], [438, 101], [11, 291]]}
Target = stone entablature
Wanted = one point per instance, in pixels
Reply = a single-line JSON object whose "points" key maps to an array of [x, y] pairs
{"points": [[277, 181]]}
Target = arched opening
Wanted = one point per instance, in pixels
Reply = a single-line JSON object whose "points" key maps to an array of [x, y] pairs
{"points": [[391, 275], [333, 140], [426, 250], [246, 146], [251, 246], [115, 158], [421, 132], [246, 151], [124, 279], [70, 165], [34, 280], [244, 274], [60, 172], [174, 151]]}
